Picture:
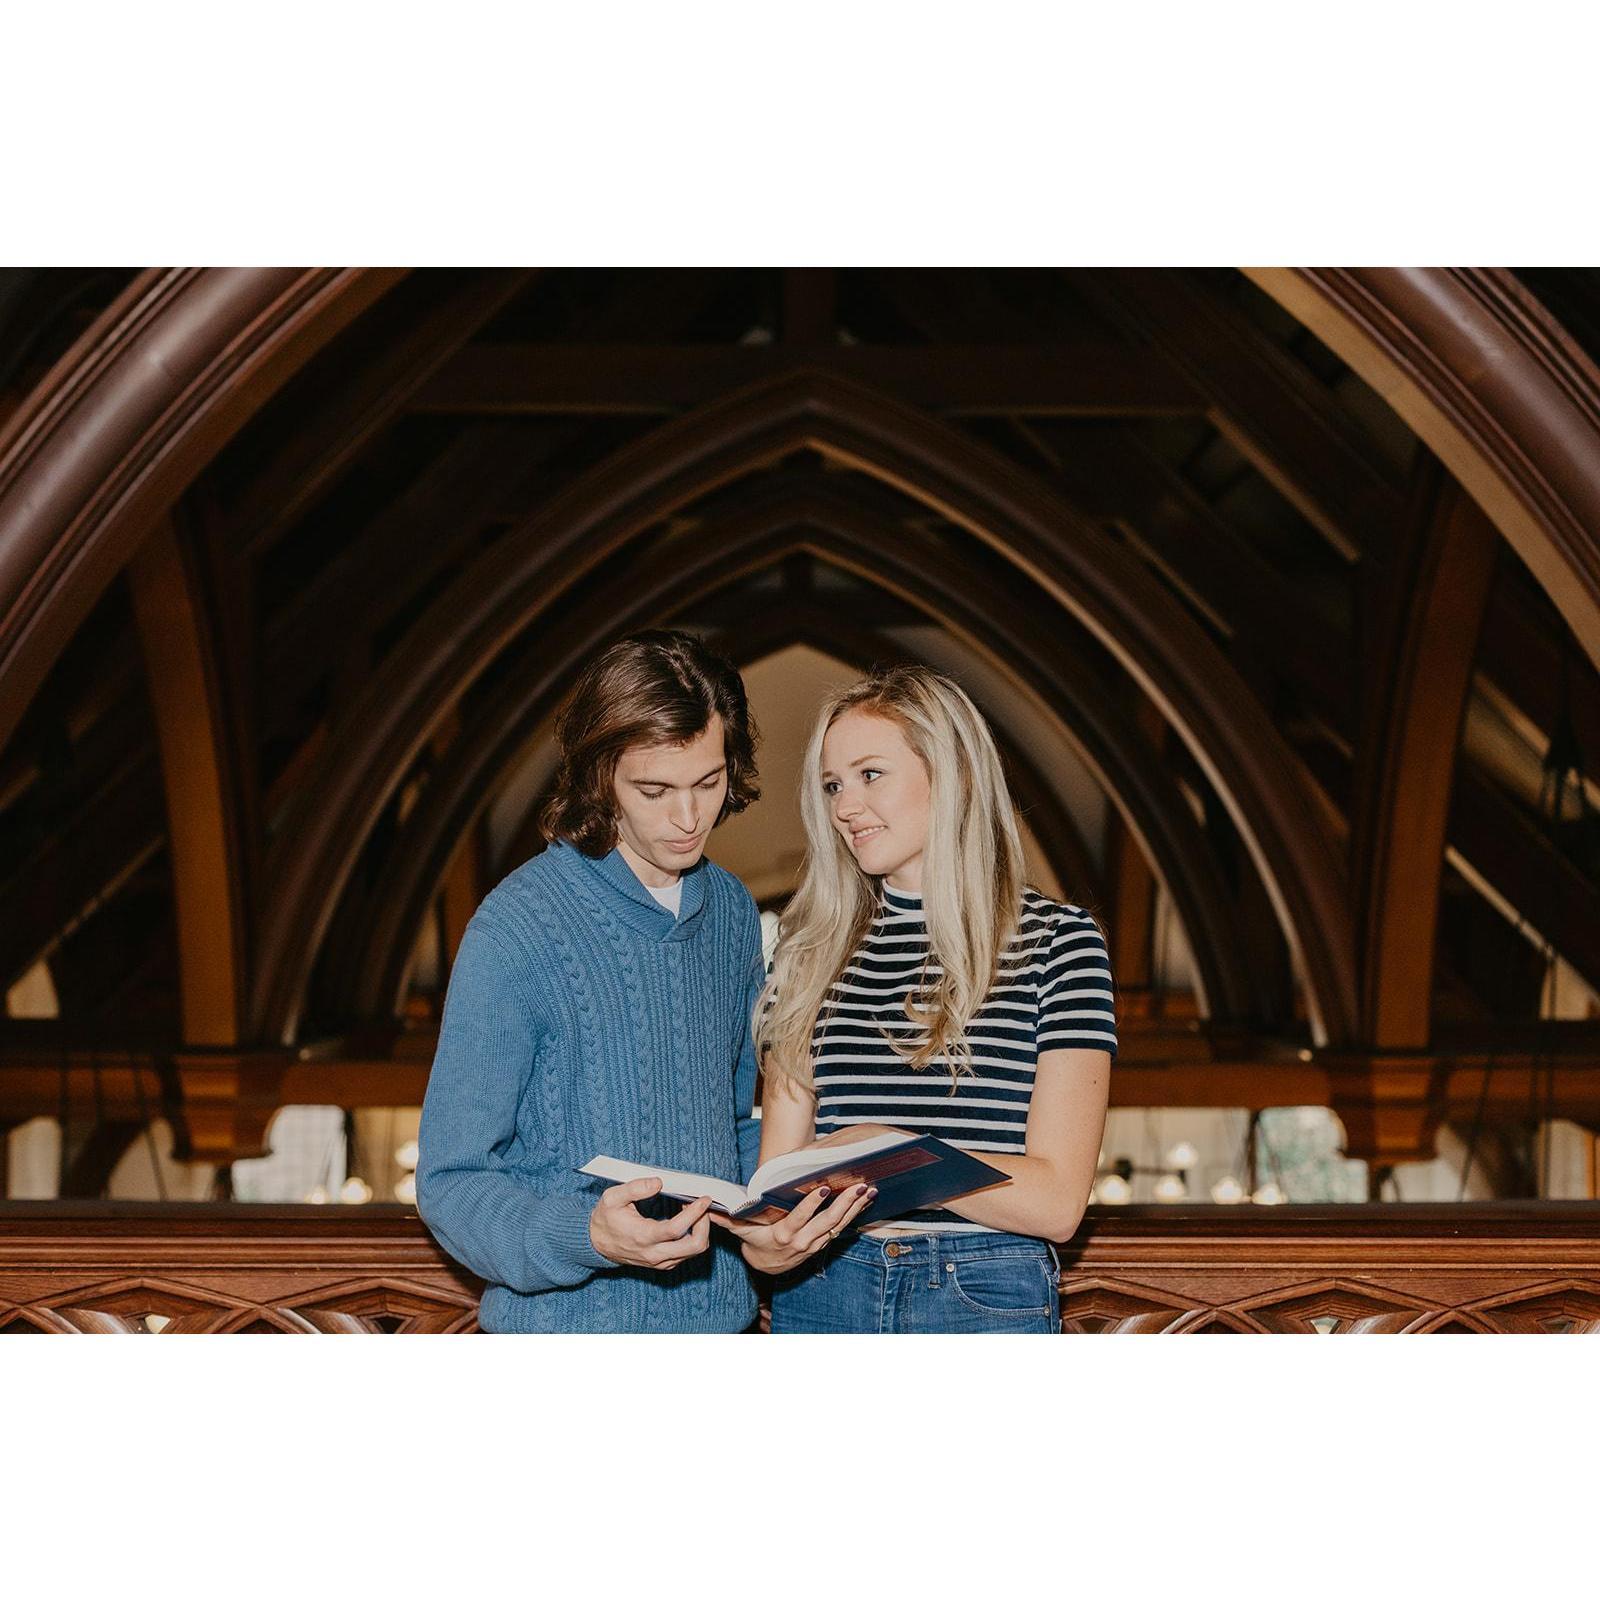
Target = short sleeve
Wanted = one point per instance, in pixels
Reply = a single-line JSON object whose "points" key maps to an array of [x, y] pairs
{"points": [[1076, 1002]]}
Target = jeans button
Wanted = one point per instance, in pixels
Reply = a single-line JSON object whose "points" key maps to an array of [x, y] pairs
{"points": [[892, 1250]]}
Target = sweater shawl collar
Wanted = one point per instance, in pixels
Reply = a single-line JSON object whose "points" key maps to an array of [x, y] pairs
{"points": [[612, 882]]}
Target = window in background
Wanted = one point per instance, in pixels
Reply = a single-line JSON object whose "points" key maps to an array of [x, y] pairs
{"points": [[307, 1160]]}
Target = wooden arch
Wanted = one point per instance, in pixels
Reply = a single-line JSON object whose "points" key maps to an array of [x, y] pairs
{"points": [[1053, 826], [863, 648], [1109, 591], [184, 359], [125, 423], [1494, 386], [955, 595]]}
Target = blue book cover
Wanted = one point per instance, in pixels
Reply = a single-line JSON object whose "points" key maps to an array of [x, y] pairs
{"points": [[908, 1171], [908, 1176]]}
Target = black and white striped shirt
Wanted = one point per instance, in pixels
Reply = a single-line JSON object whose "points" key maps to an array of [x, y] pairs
{"points": [[1053, 993]]}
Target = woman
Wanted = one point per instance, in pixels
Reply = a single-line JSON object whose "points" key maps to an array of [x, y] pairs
{"points": [[918, 984]]}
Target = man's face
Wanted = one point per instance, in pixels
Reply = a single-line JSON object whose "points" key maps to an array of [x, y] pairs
{"points": [[668, 798]]}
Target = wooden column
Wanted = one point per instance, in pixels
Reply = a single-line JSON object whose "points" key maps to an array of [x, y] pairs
{"points": [[1129, 880], [1417, 686], [460, 892], [201, 824]]}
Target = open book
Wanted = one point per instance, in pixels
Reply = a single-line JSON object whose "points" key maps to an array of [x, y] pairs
{"points": [[909, 1172]]}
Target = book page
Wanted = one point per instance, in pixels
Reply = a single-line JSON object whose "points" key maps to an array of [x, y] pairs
{"points": [[813, 1158], [680, 1185]]}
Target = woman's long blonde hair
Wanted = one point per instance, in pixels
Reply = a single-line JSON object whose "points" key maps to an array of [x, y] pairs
{"points": [[971, 880]]}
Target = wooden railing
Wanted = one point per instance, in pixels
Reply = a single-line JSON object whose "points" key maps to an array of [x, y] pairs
{"points": [[1530, 1267]]}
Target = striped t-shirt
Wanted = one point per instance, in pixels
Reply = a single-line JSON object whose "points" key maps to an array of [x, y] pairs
{"points": [[1053, 993]]}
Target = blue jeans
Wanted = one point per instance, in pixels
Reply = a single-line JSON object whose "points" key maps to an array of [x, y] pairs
{"points": [[924, 1283]]}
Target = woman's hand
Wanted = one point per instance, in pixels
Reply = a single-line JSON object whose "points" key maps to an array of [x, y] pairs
{"points": [[779, 1246]]}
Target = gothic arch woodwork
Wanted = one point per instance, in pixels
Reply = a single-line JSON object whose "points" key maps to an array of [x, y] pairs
{"points": [[1085, 533], [1107, 590], [1052, 824], [1038, 660], [1265, 403], [126, 422], [1494, 387]]}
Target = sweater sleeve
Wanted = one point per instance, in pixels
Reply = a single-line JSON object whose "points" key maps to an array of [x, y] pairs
{"points": [[480, 1209], [744, 1078]]}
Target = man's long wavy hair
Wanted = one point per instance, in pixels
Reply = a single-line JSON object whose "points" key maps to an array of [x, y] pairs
{"points": [[972, 876], [659, 687]]}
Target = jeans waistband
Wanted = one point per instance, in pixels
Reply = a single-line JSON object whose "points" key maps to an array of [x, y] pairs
{"points": [[922, 1249]]}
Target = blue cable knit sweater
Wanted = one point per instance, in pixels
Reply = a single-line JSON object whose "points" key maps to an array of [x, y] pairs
{"points": [[583, 1019]]}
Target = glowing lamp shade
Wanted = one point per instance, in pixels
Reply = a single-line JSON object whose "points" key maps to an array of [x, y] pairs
{"points": [[405, 1191], [1169, 1187], [355, 1191], [406, 1155], [1227, 1191], [1269, 1194], [1183, 1154], [1114, 1191]]}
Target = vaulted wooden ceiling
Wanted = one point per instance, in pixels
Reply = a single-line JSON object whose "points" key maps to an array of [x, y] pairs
{"points": [[274, 646]]}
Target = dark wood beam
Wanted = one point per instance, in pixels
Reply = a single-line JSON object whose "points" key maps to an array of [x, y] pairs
{"points": [[433, 525], [1268, 405], [224, 592], [75, 705], [326, 440], [1110, 475], [109, 441], [204, 830], [1158, 1064], [865, 609], [673, 467], [1494, 386], [1130, 915], [1416, 697], [111, 832], [1272, 634], [1086, 378], [810, 302], [1116, 476], [1520, 863], [489, 472], [1522, 650], [1035, 651]]}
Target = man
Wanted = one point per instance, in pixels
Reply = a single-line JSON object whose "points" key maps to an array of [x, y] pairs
{"points": [[600, 1005]]}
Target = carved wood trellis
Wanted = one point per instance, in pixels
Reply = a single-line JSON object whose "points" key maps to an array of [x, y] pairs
{"points": [[1530, 1268]]}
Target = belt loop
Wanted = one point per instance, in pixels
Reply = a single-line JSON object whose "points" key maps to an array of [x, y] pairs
{"points": [[933, 1260]]}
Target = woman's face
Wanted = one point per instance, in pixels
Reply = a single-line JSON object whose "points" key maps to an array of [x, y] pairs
{"points": [[877, 790]]}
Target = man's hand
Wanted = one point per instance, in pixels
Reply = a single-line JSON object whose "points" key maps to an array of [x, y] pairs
{"points": [[778, 1246], [619, 1233]]}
